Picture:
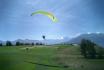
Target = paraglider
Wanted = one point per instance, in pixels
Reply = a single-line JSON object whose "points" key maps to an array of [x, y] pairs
{"points": [[48, 14], [43, 37]]}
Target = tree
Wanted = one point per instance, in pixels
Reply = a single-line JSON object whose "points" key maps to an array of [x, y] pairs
{"points": [[37, 43], [91, 49], [22, 44], [18, 43], [83, 48], [27, 44], [32, 44], [100, 52], [8, 43], [1, 44], [88, 49]]}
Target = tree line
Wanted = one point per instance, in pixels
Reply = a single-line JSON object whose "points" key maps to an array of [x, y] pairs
{"points": [[91, 50], [9, 43]]}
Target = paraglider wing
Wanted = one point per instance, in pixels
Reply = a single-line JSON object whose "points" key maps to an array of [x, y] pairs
{"points": [[50, 15]]}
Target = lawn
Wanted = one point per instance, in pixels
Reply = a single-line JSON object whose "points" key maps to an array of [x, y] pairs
{"points": [[57, 57]]}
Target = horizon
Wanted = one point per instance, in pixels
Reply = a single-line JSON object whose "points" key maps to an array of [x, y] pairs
{"points": [[75, 17], [59, 38]]}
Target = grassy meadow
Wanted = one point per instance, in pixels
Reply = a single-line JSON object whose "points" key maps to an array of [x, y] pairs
{"points": [[56, 57]]}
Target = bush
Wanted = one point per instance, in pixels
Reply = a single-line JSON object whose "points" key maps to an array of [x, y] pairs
{"points": [[88, 49]]}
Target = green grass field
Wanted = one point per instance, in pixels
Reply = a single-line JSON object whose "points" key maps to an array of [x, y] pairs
{"points": [[64, 57]]}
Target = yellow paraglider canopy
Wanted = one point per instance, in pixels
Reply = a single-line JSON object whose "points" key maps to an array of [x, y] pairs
{"points": [[50, 15]]}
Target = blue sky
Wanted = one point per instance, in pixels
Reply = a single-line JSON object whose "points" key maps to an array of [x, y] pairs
{"points": [[75, 17]]}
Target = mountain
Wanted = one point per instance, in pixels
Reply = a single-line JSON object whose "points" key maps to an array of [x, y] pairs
{"points": [[0, 41], [97, 38], [47, 41], [25, 41], [54, 41], [21, 41]]}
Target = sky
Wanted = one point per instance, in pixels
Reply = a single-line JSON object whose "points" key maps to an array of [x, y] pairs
{"points": [[74, 17]]}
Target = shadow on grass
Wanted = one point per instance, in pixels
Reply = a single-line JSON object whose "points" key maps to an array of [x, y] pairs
{"points": [[65, 66]]}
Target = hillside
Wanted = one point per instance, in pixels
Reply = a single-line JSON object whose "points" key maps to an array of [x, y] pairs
{"points": [[95, 37]]}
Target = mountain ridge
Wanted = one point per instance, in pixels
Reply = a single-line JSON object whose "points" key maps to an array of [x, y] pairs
{"points": [[97, 38]]}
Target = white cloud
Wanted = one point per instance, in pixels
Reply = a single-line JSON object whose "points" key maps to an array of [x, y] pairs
{"points": [[98, 32], [88, 32]]}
